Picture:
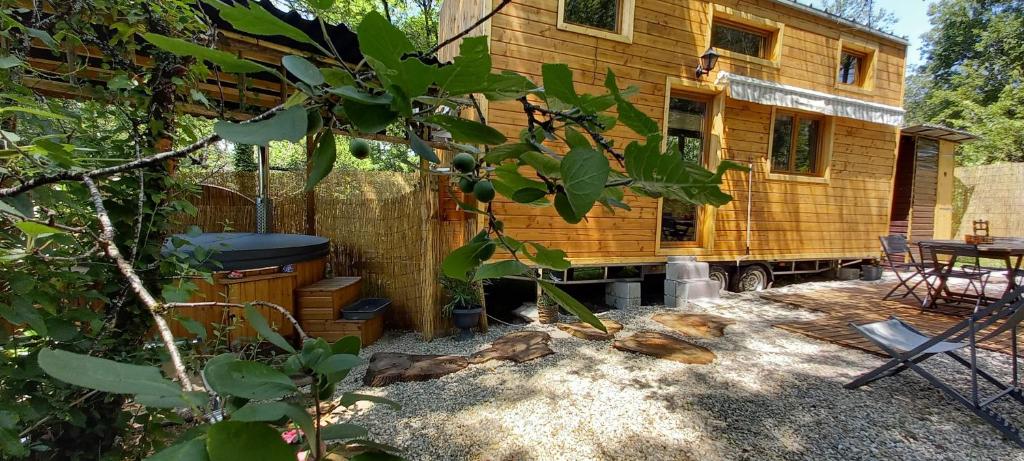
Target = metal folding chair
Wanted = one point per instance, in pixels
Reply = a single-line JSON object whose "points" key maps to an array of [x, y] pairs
{"points": [[908, 347], [944, 259], [897, 252]]}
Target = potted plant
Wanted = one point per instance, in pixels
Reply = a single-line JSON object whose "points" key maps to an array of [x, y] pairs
{"points": [[463, 305]]}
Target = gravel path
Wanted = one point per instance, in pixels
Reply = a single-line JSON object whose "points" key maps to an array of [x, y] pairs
{"points": [[770, 394]]}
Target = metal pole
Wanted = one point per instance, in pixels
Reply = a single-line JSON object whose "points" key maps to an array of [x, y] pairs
{"points": [[264, 208]]}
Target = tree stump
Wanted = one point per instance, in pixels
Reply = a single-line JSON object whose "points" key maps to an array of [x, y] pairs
{"points": [[585, 331], [695, 325], [393, 367], [519, 347], [666, 347]]}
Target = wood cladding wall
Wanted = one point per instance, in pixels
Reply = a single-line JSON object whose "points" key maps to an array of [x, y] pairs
{"points": [[839, 218]]}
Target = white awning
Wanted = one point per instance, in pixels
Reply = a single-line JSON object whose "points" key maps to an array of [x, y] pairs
{"points": [[776, 94]]}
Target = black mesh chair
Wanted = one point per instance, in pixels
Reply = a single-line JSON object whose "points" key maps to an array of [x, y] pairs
{"points": [[954, 262], [901, 262]]}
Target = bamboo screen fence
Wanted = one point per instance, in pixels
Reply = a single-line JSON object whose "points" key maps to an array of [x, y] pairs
{"points": [[383, 226], [992, 193]]}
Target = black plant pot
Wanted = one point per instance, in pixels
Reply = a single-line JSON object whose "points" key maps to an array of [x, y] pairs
{"points": [[465, 320]]}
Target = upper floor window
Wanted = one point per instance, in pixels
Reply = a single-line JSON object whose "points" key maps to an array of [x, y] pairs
{"points": [[741, 36], [611, 19], [739, 39], [850, 68], [796, 143], [599, 14]]}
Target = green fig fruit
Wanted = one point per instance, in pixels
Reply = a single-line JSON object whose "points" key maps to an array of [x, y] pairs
{"points": [[359, 148], [464, 162], [466, 185], [483, 191]]}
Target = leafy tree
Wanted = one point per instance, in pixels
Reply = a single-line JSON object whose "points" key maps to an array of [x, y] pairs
{"points": [[84, 217], [973, 76], [866, 12]]}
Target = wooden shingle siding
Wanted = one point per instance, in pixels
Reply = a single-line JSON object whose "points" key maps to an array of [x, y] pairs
{"points": [[840, 218]]}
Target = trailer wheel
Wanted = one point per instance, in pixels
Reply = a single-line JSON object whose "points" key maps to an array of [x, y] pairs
{"points": [[721, 275], [750, 278]]}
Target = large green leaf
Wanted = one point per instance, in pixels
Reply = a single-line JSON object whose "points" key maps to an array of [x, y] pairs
{"points": [[558, 83], [22, 311], [227, 61], [500, 269], [383, 46], [509, 183], [342, 431], [105, 375], [508, 151], [258, 21], [506, 85], [34, 229], [251, 380], [459, 262], [584, 174], [273, 411], [468, 131], [347, 345], [287, 125], [421, 148], [629, 115], [369, 118], [337, 363], [246, 441], [572, 305], [324, 155], [259, 323], [303, 69], [468, 72], [666, 175], [352, 93], [545, 164], [548, 258], [190, 450]]}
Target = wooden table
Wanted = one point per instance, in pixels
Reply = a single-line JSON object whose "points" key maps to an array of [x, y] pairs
{"points": [[1009, 250]]}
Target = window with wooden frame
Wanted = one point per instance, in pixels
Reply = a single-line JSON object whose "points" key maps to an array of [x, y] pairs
{"points": [[797, 143], [738, 38], [743, 36], [611, 19], [856, 61]]}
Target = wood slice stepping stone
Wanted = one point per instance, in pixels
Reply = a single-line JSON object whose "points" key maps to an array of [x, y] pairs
{"points": [[585, 331], [519, 347], [393, 367], [695, 325], [665, 346]]}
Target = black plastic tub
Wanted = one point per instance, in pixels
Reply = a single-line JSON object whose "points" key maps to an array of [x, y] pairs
{"points": [[365, 309], [247, 250]]}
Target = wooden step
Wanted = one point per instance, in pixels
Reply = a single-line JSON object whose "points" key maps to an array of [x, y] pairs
{"points": [[323, 300], [368, 331]]}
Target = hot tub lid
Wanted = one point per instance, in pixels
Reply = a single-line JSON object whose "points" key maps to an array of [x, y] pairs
{"points": [[248, 250]]}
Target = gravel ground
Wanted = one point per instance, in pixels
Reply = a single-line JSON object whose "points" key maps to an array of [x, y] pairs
{"points": [[770, 394]]}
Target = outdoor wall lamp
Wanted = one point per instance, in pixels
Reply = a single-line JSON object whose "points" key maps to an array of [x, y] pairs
{"points": [[708, 60]]}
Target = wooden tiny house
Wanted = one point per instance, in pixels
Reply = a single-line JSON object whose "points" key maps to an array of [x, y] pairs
{"points": [[810, 101]]}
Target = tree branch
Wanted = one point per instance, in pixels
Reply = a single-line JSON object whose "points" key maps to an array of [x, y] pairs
{"points": [[468, 29], [155, 159], [106, 241]]}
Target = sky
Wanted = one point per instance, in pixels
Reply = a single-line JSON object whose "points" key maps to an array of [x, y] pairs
{"points": [[912, 21]]}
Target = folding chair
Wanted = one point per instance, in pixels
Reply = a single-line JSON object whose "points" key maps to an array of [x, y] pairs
{"points": [[944, 260], [896, 252], [908, 347]]}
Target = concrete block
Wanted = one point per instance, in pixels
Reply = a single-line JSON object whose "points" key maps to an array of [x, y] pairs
{"points": [[677, 293], [622, 295], [688, 270]]}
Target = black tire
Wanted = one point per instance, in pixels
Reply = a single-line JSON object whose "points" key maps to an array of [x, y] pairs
{"points": [[721, 274], [750, 278]]}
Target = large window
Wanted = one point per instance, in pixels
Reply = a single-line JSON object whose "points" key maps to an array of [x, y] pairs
{"points": [[739, 39], [687, 131], [796, 144], [598, 14]]}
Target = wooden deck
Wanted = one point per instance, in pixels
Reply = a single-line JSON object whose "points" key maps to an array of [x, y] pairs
{"points": [[863, 304]]}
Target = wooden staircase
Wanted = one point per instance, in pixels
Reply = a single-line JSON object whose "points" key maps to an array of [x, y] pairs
{"points": [[319, 308]]}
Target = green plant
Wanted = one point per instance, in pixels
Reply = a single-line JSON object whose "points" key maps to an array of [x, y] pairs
{"points": [[460, 294]]}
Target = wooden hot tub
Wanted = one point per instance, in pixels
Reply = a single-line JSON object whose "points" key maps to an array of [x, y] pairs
{"points": [[259, 257]]}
